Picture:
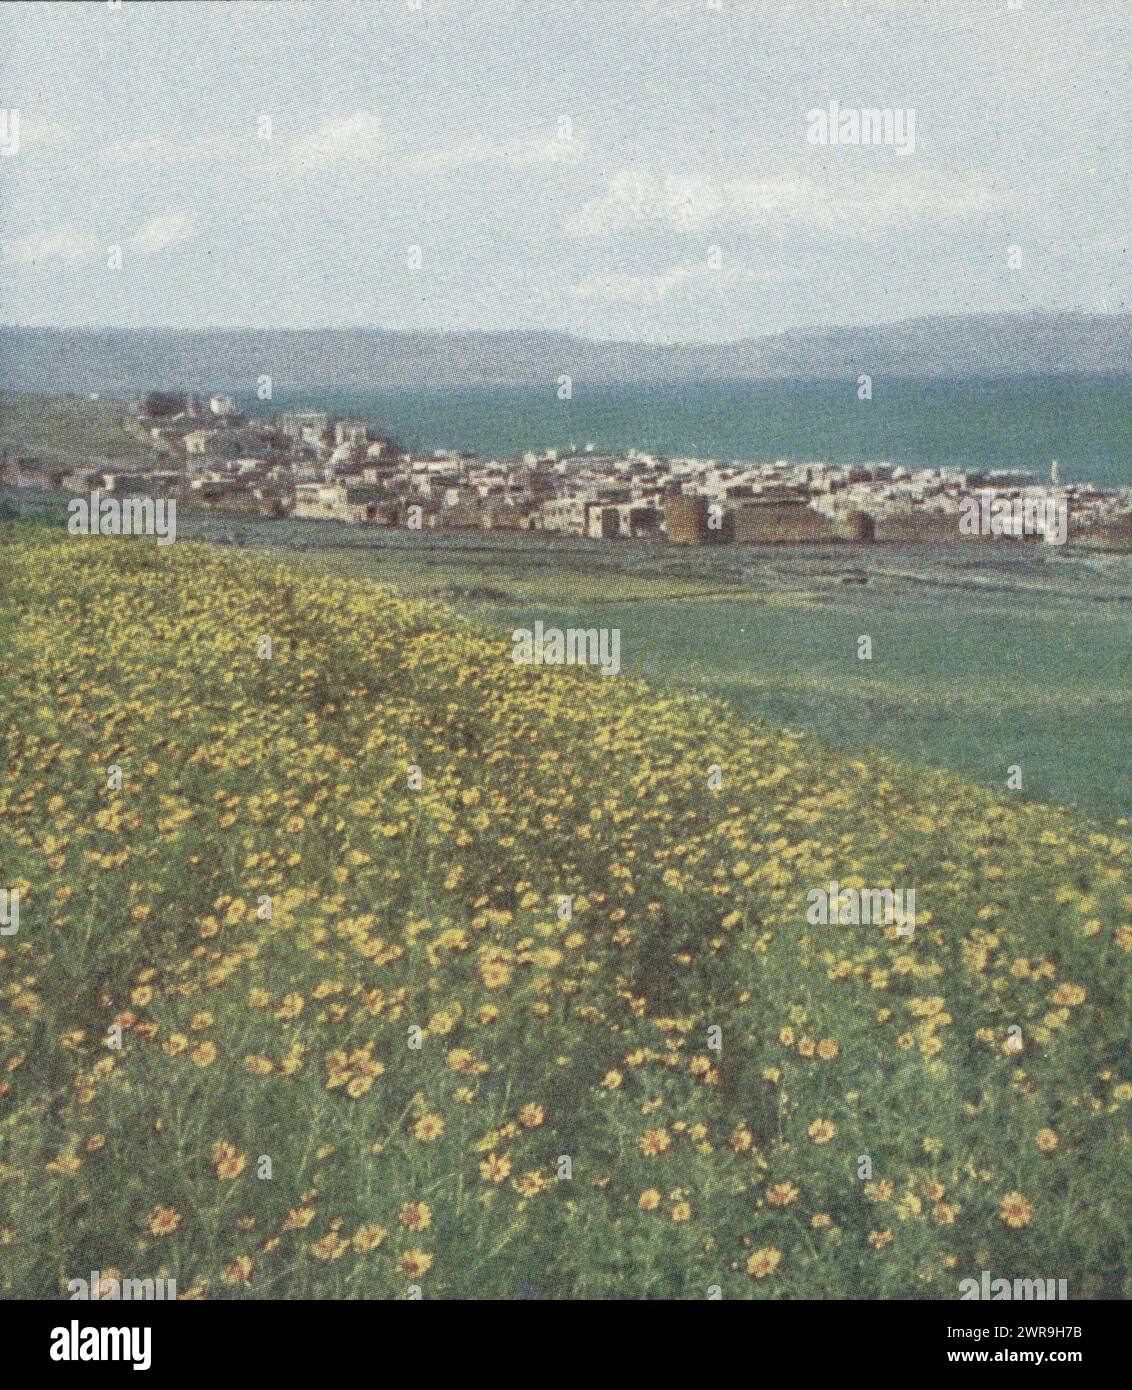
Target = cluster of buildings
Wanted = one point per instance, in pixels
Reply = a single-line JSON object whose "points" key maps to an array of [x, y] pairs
{"points": [[307, 464]]}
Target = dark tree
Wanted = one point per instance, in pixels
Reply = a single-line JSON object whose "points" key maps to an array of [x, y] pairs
{"points": [[159, 405]]}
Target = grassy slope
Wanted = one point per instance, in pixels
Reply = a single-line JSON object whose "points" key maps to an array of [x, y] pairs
{"points": [[1044, 689], [973, 682], [391, 907], [69, 430]]}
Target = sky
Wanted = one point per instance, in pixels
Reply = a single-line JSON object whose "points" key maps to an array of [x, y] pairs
{"points": [[634, 169]]}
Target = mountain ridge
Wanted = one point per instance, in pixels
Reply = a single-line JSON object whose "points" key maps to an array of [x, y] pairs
{"points": [[971, 346]]}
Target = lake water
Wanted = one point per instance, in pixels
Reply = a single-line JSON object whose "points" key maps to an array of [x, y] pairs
{"points": [[1083, 422]]}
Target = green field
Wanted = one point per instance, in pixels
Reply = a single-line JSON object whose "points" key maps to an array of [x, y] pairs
{"points": [[1035, 673], [68, 430]]}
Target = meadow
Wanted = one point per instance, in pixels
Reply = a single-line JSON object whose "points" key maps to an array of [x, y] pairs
{"points": [[380, 964], [979, 663], [68, 430]]}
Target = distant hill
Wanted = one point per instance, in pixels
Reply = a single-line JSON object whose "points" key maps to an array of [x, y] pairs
{"points": [[126, 360]]}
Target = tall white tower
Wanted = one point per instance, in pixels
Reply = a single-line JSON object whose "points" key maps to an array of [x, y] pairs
{"points": [[1054, 475]]}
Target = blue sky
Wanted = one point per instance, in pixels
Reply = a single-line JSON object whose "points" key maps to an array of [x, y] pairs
{"points": [[686, 204]]}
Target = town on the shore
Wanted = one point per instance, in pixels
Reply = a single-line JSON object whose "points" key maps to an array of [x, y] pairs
{"points": [[309, 465]]}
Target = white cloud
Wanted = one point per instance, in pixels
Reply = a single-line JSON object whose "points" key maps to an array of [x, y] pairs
{"points": [[157, 151], [645, 290], [69, 246], [150, 149], [64, 246], [515, 154], [633, 199], [697, 203], [41, 132], [546, 149], [359, 138], [165, 230], [856, 208]]}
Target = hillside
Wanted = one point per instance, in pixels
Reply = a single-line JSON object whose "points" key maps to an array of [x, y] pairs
{"points": [[70, 431], [267, 910], [345, 359]]}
